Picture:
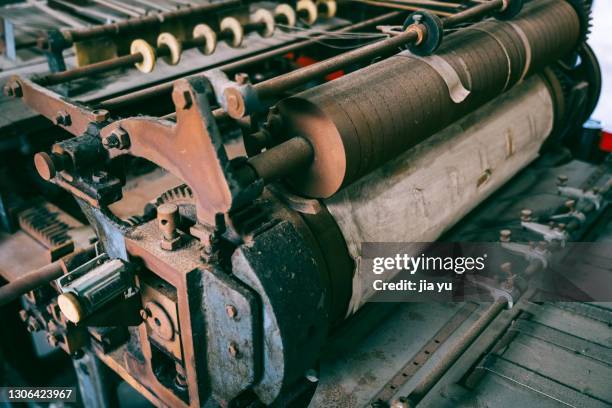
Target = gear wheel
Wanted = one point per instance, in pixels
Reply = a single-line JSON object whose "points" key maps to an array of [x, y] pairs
{"points": [[583, 9], [180, 195]]}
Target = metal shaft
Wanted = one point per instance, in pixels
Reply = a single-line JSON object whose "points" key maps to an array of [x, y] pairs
{"points": [[31, 280], [147, 22], [164, 90], [279, 85], [457, 350]]}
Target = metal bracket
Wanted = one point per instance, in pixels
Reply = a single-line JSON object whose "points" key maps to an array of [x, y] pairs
{"points": [[191, 149], [239, 100]]}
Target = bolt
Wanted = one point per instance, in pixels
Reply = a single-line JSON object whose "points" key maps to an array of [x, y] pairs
{"points": [[236, 108], [110, 142], [167, 218], [117, 139], [167, 221], [63, 118], [52, 339], [100, 115], [231, 311], [233, 102], [506, 267], [33, 325], [570, 204], [233, 350], [417, 18], [504, 235], [562, 179], [99, 176], [241, 78], [399, 403], [526, 214], [312, 375]]}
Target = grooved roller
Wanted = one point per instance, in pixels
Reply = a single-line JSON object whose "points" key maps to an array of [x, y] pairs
{"points": [[360, 121]]}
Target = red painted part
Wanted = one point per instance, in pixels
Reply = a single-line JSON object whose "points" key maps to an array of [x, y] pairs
{"points": [[303, 61], [605, 143]]}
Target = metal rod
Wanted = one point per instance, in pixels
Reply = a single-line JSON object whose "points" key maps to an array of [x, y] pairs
{"points": [[280, 84], [125, 61], [91, 69], [399, 6], [283, 159], [165, 89], [31, 280], [442, 365], [134, 25]]}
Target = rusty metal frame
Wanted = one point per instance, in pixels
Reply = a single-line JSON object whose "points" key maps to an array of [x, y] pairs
{"points": [[191, 148]]}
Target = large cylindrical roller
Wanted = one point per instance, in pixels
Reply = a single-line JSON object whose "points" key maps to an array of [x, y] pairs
{"points": [[427, 189], [360, 121]]}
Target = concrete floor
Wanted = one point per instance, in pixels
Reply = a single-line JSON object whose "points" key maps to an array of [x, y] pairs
{"points": [[601, 41]]}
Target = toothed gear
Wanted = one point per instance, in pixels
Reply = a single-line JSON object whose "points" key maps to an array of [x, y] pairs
{"points": [[583, 10], [182, 196]]}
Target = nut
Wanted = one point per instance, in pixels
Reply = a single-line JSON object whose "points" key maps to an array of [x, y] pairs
{"points": [[117, 139], [170, 245], [100, 115], [110, 142]]}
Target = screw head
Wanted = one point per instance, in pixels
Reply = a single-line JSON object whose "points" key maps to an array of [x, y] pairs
{"points": [[232, 349], [231, 311], [562, 179]]}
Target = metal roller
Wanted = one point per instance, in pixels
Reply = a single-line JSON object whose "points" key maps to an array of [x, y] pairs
{"points": [[362, 120], [436, 183]]}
